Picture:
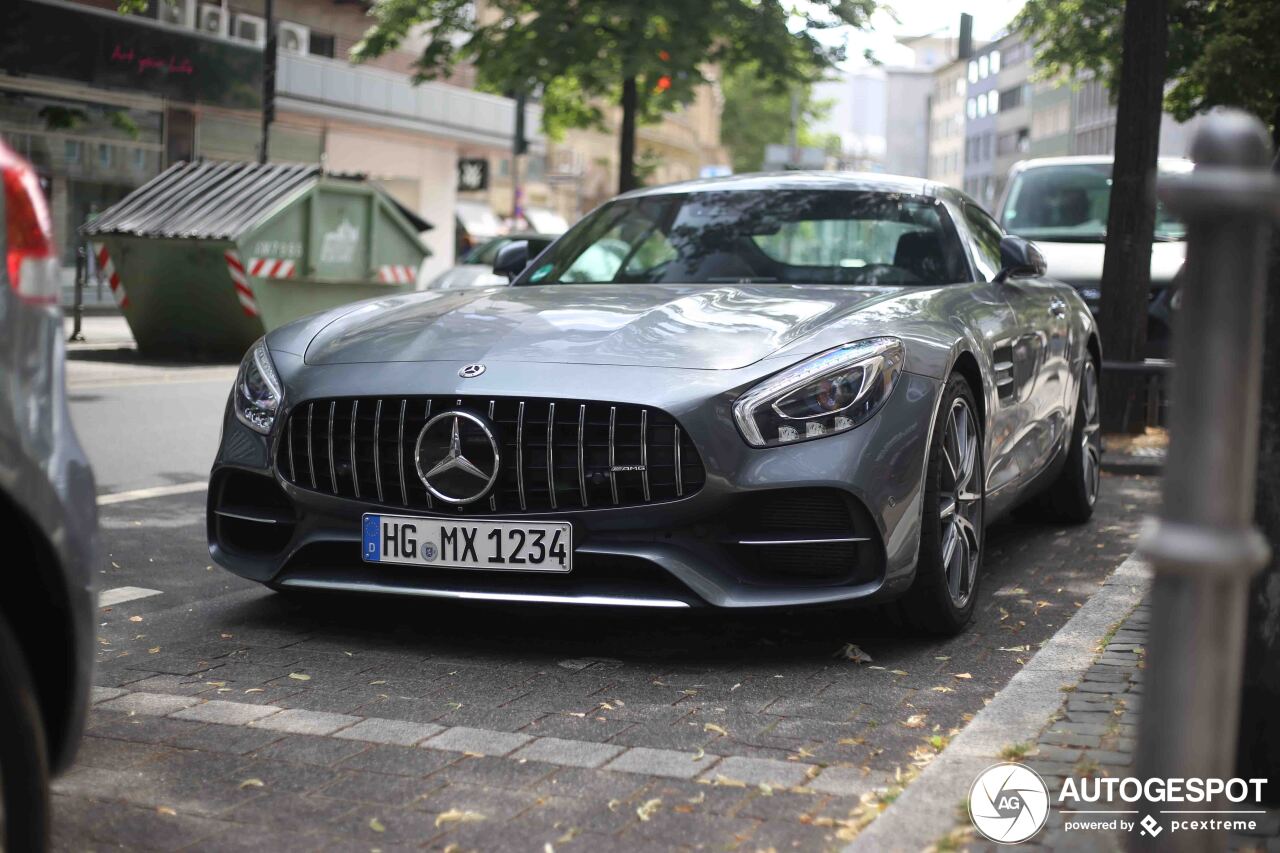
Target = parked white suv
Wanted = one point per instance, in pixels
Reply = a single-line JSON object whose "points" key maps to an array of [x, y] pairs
{"points": [[1061, 203]]}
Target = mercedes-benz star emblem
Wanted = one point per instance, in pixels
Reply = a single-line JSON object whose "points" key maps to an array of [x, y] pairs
{"points": [[457, 457], [471, 371]]}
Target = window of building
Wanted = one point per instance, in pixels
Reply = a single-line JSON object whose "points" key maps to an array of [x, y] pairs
{"points": [[973, 71], [984, 66], [1011, 98], [106, 155], [321, 44], [993, 102], [995, 61], [982, 106], [72, 151], [971, 108], [139, 158]]}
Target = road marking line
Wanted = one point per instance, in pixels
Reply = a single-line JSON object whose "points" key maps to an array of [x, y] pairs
{"points": [[121, 594], [460, 739], [151, 492]]}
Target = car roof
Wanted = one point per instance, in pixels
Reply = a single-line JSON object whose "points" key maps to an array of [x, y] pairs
{"points": [[1171, 164], [802, 180]]}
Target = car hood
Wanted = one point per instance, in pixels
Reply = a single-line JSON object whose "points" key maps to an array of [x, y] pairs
{"points": [[714, 327], [1081, 263]]}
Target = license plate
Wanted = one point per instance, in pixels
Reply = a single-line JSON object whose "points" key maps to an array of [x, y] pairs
{"points": [[497, 545]]}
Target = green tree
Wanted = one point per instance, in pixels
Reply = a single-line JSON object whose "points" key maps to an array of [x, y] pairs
{"points": [[757, 112], [1221, 52], [647, 57]]}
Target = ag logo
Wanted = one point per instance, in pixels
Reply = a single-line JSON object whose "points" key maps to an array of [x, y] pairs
{"points": [[1008, 803]]}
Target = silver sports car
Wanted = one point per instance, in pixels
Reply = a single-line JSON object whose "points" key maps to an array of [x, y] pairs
{"points": [[759, 391]]}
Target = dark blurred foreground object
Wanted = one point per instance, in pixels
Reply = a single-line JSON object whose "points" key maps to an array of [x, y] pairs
{"points": [[1260, 699], [1204, 547], [47, 499]]}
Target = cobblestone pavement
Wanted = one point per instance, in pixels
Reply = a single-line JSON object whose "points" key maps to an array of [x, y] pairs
{"points": [[231, 718], [1093, 737]]}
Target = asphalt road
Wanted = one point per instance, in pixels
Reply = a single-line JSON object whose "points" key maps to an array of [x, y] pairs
{"points": [[499, 728]]}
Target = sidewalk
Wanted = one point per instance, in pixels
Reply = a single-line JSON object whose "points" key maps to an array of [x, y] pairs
{"points": [[1091, 735]]}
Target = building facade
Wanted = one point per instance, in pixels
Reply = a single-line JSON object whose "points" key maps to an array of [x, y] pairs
{"points": [[121, 97], [982, 104], [947, 125], [1013, 118]]}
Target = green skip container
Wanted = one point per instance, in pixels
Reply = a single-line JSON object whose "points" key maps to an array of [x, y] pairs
{"points": [[208, 256]]}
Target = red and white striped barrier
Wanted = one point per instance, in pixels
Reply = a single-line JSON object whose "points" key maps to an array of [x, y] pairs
{"points": [[241, 281], [108, 271], [397, 274], [272, 267]]}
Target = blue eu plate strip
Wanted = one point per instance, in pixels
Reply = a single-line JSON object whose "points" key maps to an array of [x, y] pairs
{"points": [[372, 548]]}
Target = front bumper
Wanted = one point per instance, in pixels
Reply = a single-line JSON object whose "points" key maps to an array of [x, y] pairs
{"points": [[703, 549]]}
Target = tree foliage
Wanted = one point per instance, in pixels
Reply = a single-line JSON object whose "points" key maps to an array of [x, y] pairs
{"points": [[757, 112], [577, 54], [1221, 52]]}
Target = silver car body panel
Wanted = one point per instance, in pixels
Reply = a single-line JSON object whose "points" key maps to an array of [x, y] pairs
{"points": [[45, 476], [691, 350]]}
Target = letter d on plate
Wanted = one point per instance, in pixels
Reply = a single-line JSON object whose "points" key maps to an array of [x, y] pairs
{"points": [[372, 548]]}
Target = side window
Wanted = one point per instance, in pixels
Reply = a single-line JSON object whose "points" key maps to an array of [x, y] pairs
{"points": [[985, 241]]}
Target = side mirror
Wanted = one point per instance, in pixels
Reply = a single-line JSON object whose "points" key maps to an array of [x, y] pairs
{"points": [[512, 259], [1019, 258]]}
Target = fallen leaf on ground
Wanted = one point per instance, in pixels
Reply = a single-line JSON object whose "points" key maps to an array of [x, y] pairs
{"points": [[153, 650], [299, 676], [851, 741], [166, 810], [135, 618], [915, 721], [376, 825], [943, 689], [700, 754], [648, 809], [897, 672], [963, 675], [255, 690], [712, 727], [457, 816], [1025, 648], [251, 783], [379, 681], [851, 652]]}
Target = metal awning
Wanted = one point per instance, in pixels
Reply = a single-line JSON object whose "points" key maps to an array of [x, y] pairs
{"points": [[214, 200]]}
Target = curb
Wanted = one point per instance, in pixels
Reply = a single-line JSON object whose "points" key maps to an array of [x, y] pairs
{"points": [[926, 810]]}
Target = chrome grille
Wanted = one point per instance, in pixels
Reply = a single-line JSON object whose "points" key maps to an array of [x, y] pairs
{"points": [[557, 455]]}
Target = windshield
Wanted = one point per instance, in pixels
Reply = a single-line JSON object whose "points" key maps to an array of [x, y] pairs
{"points": [[759, 236], [1069, 204]]}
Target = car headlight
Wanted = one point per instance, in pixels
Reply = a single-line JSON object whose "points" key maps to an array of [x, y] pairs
{"points": [[824, 395], [259, 393]]}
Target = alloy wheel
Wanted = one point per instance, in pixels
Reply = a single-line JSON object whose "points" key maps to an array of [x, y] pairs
{"points": [[960, 502], [1091, 440]]}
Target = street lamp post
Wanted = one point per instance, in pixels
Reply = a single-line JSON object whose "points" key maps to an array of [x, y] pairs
{"points": [[1204, 547]]}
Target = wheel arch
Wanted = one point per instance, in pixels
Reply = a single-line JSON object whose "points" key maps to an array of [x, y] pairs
{"points": [[38, 608]]}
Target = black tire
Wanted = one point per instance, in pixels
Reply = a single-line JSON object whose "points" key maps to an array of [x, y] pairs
{"points": [[24, 760], [940, 602], [1074, 493]]}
